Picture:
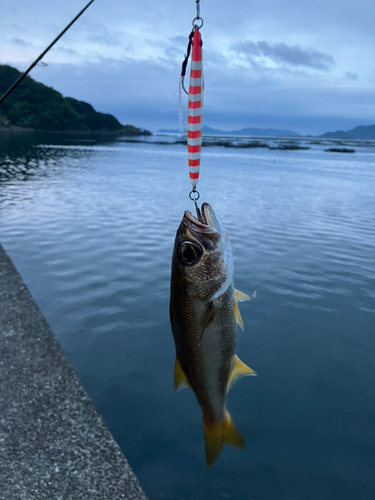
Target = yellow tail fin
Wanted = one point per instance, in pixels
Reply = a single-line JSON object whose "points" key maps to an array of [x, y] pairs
{"points": [[216, 434]]}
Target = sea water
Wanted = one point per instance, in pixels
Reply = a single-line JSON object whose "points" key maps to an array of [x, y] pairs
{"points": [[91, 226]]}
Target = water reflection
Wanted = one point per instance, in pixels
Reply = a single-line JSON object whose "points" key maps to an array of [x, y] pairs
{"points": [[25, 155], [92, 236]]}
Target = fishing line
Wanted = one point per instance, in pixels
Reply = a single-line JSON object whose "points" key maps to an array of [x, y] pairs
{"points": [[40, 57], [84, 20], [27, 88], [181, 118]]}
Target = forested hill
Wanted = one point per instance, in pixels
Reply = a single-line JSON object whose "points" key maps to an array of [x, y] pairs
{"points": [[33, 105]]}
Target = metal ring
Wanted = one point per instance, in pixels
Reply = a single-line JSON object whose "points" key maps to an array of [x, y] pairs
{"points": [[196, 25], [194, 192]]}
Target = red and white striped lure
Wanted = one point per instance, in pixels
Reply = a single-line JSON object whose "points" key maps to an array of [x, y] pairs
{"points": [[195, 109]]}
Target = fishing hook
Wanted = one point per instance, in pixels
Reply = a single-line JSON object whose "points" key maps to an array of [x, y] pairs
{"points": [[191, 196], [183, 85], [184, 64], [195, 27]]}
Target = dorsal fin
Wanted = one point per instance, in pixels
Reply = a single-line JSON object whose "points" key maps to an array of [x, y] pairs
{"points": [[241, 296], [238, 314], [239, 370], [180, 380]]}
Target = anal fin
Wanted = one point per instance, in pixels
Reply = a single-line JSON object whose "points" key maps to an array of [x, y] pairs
{"points": [[180, 380], [239, 370]]}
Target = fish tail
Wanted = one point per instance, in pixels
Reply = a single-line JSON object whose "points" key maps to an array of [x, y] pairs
{"points": [[216, 434]]}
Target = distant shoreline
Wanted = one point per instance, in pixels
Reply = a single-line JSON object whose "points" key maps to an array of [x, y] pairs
{"points": [[13, 129]]}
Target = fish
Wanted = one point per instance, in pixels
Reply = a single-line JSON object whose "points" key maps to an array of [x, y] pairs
{"points": [[204, 313]]}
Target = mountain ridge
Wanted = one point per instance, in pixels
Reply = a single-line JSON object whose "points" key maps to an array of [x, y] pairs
{"points": [[35, 106], [364, 132], [361, 132]]}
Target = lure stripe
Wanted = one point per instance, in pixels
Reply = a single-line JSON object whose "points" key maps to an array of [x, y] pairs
{"points": [[195, 127], [196, 82], [195, 109], [195, 134], [194, 163], [195, 97], [194, 104], [196, 90], [194, 156], [195, 112], [195, 118], [197, 64], [194, 170], [196, 73]]}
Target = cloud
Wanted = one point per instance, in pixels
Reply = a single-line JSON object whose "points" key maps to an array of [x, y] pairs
{"points": [[179, 40], [293, 55], [167, 50], [19, 28], [145, 93], [127, 59], [103, 36], [20, 41], [66, 50], [350, 76]]}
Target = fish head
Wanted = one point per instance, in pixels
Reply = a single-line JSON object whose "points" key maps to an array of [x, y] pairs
{"points": [[202, 258]]}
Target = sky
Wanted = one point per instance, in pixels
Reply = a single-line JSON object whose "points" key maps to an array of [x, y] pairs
{"points": [[306, 66]]}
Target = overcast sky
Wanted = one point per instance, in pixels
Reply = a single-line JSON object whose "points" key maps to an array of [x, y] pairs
{"points": [[307, 66]]}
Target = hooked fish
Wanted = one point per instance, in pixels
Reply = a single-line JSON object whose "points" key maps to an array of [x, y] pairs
{"points": [[204, 312]]}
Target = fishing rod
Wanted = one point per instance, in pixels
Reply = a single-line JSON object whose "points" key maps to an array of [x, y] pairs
{"points": [[17, 82]]}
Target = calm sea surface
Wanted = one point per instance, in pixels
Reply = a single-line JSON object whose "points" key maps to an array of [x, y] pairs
{"points": [[91, 226]]}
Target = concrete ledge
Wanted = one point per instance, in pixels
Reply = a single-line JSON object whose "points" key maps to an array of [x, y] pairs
{"points": [[53, 443]]}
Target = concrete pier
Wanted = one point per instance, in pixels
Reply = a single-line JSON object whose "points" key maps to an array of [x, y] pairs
{"points": [[53, 443]]}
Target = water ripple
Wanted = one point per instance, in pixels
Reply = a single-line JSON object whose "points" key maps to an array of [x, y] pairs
{"points": [[91, 229]]}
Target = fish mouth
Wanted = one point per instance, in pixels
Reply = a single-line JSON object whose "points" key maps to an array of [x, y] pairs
{"points": [[206, 214], [205, 222]]}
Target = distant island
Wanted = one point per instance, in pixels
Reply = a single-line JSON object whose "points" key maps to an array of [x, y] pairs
{"points": [[361, 132], [33, 106], [250, 131], [366, 133]]}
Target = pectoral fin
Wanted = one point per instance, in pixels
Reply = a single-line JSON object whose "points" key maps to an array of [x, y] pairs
{"points": [[240, 296], [238, 315], [210, 315], [180, 379], [239, 370]]}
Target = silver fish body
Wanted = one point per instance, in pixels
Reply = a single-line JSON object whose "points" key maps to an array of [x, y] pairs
{"points": [[204, 312]]}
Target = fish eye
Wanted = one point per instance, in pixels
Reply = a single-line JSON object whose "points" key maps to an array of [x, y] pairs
{"points": [[190, 253]]}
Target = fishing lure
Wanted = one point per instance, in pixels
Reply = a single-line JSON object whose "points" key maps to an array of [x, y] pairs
{"points": [[195, 101], [195, 109]]}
